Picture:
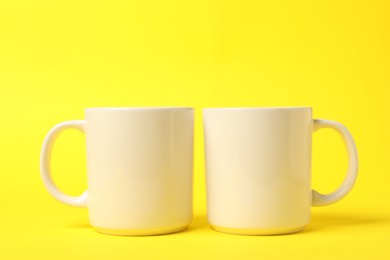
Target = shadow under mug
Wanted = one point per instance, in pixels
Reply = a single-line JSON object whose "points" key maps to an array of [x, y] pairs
{"points": [[139, 169], [258, 169]]}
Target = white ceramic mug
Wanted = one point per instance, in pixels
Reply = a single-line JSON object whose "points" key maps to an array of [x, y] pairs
{"points": [[258, 169], [139, 169]]}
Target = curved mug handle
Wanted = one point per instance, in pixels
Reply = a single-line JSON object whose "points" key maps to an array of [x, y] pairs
{"points": [[47, 147], [319, 199]]}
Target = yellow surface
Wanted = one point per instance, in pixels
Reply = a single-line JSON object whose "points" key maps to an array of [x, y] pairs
{"points": [[58, 57]]}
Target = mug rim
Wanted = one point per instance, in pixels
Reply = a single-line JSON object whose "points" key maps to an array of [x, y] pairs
{"points": [[151, 108], [261, 108]]}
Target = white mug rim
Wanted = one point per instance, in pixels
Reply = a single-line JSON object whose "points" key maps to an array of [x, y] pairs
{"points": [[259, 108], [151, 108]]}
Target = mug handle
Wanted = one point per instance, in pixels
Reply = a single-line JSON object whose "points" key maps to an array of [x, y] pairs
{"points": [[47, 147], [319, 199]]}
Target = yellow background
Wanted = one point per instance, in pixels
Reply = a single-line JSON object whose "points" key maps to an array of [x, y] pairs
{"points": [[59, 57]]}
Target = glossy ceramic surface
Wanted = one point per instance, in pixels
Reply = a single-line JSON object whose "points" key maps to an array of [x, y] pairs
{"points": [[139, 164], [258, 169]]}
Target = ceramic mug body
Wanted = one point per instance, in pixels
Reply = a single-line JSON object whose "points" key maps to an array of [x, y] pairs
{"points": [[139, 168], [258, 169]]}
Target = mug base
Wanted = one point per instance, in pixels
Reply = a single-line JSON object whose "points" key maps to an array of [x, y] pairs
{"points": [[140, 232], [258, 232]]}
